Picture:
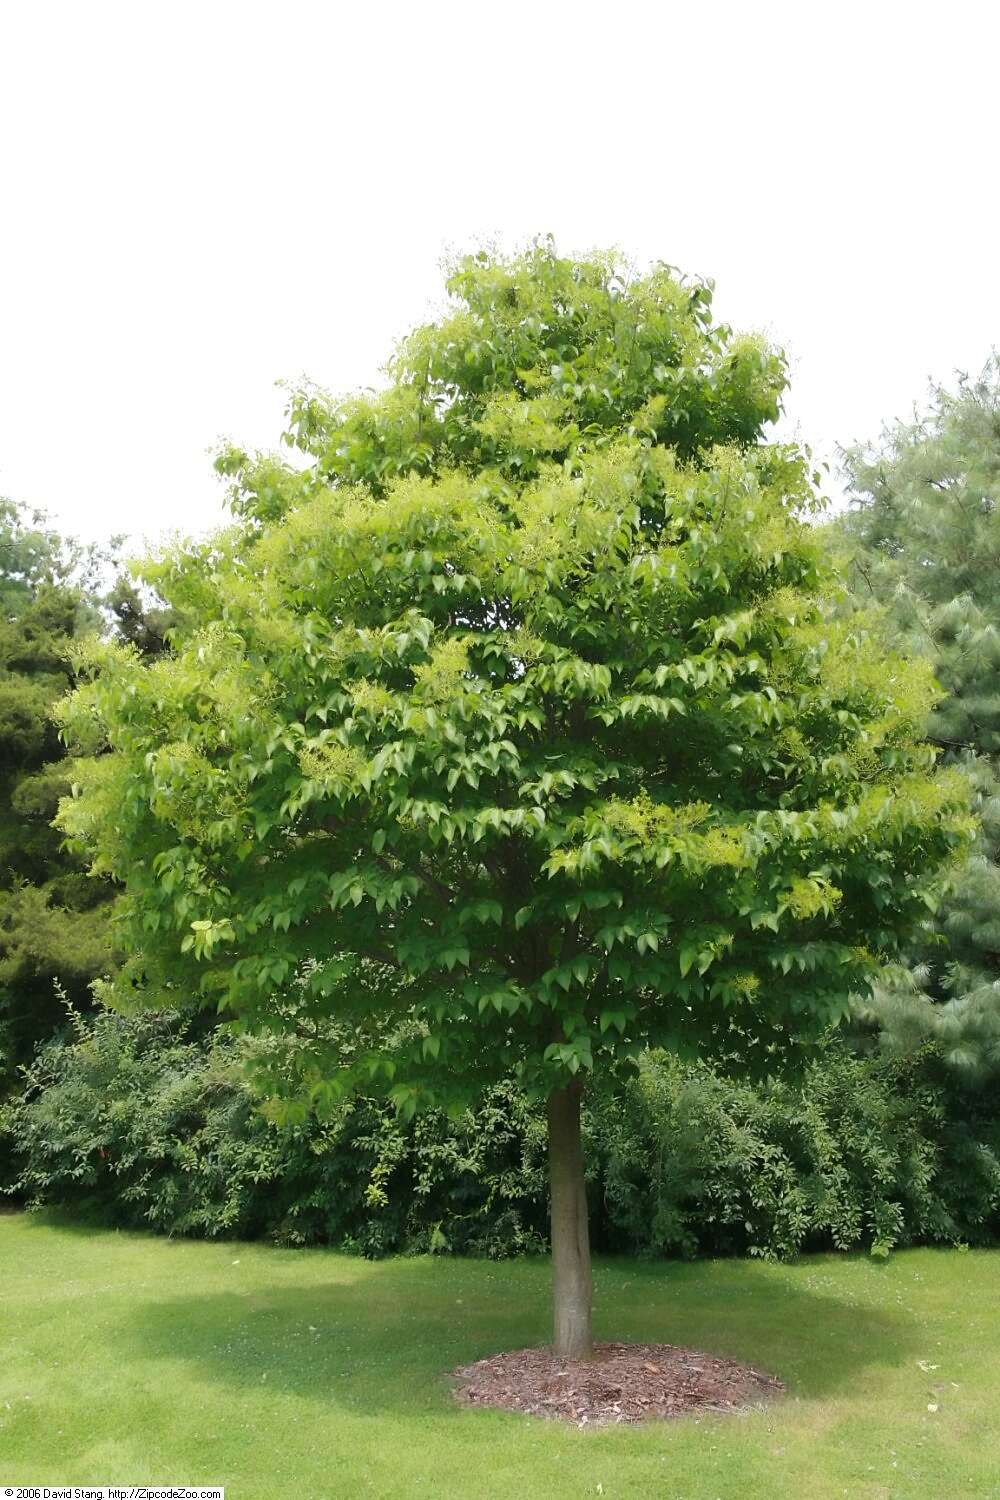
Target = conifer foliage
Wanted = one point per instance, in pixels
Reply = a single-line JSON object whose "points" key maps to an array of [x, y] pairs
{"points": [[53, 919], [925, 530], [512, 729]]}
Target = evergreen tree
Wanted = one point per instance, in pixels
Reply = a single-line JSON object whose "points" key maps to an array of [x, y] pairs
{"points": [[925, 535], [53, 917]]}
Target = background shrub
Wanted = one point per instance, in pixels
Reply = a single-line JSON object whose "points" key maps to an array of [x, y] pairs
{"points": [[138, 1123], [134, 1122], [866, 1151]]}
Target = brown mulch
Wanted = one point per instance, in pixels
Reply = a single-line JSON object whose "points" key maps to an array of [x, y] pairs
{"points": [[622, 1383]]}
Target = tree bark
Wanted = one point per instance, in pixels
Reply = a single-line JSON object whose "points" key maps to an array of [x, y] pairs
{"points": [[572, 1291]]}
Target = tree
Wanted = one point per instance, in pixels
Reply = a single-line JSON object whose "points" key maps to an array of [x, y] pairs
{"points": [[924, 533], [53, 919], [512, 728], [54, 934]]}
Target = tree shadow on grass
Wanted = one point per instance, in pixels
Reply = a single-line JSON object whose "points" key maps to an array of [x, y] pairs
{"points": [[387, 1339]]}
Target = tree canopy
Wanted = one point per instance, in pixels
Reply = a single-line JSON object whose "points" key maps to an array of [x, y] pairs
{"points": [[514, 727]]}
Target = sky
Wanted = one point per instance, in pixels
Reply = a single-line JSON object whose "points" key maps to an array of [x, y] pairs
{"points": [[201, 200]]}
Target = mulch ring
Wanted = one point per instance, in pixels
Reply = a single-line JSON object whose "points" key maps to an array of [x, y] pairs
{"points": [[622, 1383]]}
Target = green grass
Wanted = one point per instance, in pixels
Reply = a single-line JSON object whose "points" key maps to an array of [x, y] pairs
{"points": [[125, 1358]]}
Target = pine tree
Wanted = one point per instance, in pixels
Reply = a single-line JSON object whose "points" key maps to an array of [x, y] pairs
{"points": [[925, 531]]}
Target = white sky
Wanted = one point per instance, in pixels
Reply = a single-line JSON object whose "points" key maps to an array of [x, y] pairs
{"points": [[200, 199]]}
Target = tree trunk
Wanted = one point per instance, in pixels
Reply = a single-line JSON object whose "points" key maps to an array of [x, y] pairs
{"points": [[572, 1291]]}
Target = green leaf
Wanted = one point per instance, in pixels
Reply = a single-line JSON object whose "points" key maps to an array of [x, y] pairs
{"points": [[530, 691]]}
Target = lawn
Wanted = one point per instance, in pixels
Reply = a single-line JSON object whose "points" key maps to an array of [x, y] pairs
{"points": [[126, 1358]]}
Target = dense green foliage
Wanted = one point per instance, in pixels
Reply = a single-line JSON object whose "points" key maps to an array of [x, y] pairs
{"points": [[925, 537], [141, 1125], [513, 736], [858, 1151], [516, 716], [53, 919]]}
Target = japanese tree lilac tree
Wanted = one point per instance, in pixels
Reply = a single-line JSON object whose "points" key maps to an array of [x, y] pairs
{"points": [[511, 731]]}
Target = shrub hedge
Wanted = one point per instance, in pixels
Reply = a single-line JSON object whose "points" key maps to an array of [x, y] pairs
{"points": [[135, 1122]]}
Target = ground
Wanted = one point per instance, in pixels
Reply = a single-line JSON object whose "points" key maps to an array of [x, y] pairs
{"points": [[616, 1382], [128, 1358]]}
